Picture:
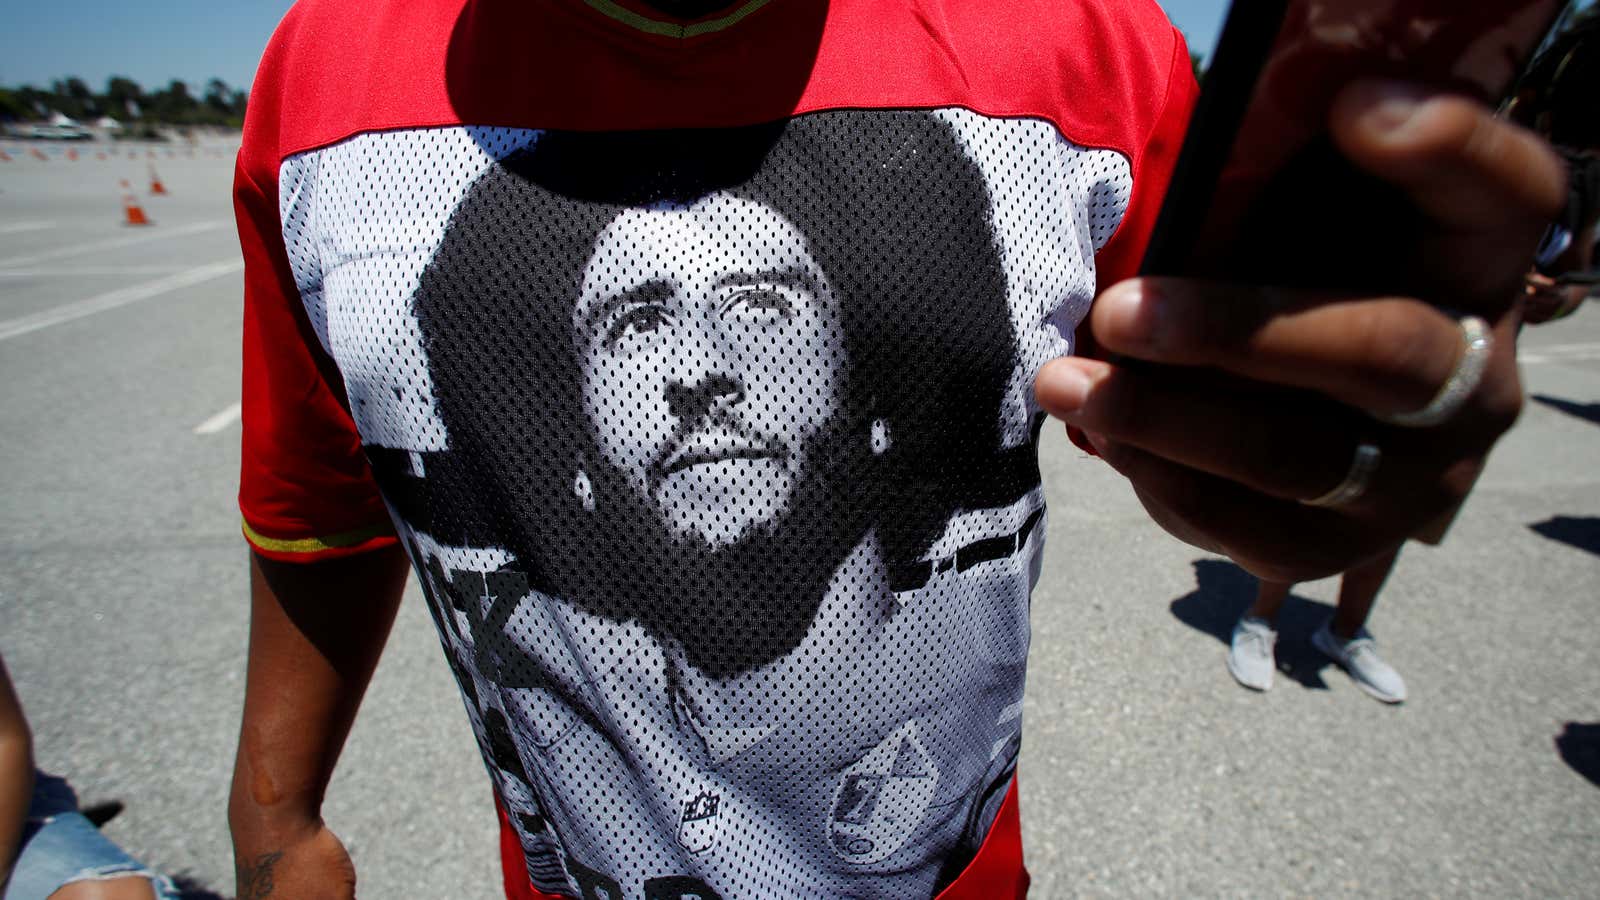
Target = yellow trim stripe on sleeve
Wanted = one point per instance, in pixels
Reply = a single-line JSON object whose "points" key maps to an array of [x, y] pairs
{"points": [[316, 544], [671, 29]]}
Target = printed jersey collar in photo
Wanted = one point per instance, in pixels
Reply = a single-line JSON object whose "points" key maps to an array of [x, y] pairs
{"points": [[916, 575]]}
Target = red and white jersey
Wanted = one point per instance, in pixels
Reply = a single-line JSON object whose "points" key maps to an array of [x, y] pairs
{"points": [[692, 364]]}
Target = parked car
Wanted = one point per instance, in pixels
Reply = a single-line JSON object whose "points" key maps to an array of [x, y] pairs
{"points": [[64, 131]]}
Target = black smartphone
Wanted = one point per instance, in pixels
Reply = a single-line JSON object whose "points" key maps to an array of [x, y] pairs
{"points": [[1260, 194]]}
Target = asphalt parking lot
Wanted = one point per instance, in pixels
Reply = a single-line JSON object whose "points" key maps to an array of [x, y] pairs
{"points": [[1146, 771]]}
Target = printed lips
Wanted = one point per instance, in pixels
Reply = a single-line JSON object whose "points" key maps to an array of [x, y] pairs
{"points": [[712, 445]]}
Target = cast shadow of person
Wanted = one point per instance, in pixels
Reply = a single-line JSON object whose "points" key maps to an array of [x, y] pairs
{"points": [[1579, 746], [1589, 412], [1223, 591], [1582, 532]]}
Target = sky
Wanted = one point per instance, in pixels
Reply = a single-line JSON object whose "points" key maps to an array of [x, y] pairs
{"points": [[151, 41], [197, 40]]}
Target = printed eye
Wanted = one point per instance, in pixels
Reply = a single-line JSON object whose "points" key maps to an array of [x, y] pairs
{"points": [[764, 304], [633, 326]]}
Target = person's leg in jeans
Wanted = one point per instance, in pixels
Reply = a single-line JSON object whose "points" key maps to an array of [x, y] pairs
{"points": [[62, 855]]}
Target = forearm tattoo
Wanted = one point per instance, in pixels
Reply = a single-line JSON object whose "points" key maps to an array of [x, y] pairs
{"points": [[255, 878]]}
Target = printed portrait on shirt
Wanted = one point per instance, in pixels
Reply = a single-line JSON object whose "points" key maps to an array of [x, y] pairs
{"points": [[697, 368]]}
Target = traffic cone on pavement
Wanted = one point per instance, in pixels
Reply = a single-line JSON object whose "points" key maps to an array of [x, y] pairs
{"points": [[156, 187], [131, 210], [39, 154]]}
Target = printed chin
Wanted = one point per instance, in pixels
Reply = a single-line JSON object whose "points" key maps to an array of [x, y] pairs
{"points": [[720, 503]]}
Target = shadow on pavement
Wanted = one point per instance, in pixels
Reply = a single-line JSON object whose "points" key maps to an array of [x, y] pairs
{"points": [[1589, 412], [1582, 532], [1579, 746], [1224, 591], [190, 889]]}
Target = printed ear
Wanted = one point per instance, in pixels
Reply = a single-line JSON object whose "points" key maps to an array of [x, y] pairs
{"points": [[584, 490], [881, 439]]}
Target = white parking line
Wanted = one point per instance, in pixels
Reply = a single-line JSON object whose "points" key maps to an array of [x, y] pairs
{"points": [[1559, 353], [21, 227], [113, 299], [158, 234], [221, 420]]}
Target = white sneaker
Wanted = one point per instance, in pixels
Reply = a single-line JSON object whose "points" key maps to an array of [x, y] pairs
{"points": [[1250, 657], [1359, 657]]}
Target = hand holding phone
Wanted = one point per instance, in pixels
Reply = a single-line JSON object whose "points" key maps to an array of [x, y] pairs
{"points": [[1249, 369]]}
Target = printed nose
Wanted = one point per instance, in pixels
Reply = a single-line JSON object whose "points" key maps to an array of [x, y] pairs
{"points": [[690, 402]]}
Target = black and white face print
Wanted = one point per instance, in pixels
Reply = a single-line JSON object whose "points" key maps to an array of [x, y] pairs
{"points": [[702, 333]]}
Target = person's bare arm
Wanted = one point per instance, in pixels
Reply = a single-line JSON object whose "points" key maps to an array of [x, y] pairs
{"points": [[316, 632], [16, 772]]}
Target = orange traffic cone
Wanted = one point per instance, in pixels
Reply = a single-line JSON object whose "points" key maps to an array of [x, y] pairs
{"points": [[39, 155], [4, 156], [156, 187], [72, 154], [131, 210]]}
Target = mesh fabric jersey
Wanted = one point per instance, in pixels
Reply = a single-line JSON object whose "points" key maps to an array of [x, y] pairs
{"points": [[692, 365]]}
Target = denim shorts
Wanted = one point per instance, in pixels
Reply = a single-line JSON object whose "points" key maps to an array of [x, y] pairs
{"points": [[59, 847]]}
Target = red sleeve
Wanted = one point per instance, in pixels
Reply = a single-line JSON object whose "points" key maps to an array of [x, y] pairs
{"points": [[305, 489], [1152, 172], [1152, 166]]}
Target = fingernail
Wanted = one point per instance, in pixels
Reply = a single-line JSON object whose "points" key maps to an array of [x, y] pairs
{"points": [[1134, 315], [1062, 387]]}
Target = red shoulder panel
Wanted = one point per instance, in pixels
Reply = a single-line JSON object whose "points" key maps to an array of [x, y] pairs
{"points": [[1104, 72]]}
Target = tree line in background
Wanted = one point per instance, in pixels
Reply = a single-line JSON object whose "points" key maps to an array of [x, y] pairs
{"points": [[125, 101]]}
